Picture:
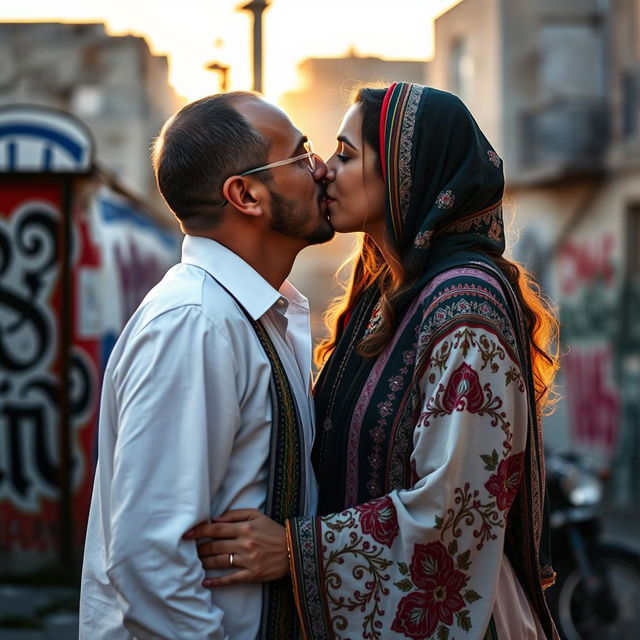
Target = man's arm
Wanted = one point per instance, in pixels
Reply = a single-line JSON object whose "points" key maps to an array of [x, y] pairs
{"points": [[177, 415]]}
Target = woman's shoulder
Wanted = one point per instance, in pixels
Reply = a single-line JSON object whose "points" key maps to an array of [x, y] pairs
{"points": [[469, 294], [469, 280]]}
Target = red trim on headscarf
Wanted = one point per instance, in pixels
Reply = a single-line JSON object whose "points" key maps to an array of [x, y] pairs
{"points": [[383, 120]]}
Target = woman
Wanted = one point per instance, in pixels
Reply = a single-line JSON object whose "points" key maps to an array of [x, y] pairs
{"points": [[428, 452]]}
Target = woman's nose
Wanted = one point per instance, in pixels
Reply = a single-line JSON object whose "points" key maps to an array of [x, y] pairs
{"points": [[330, 175]]}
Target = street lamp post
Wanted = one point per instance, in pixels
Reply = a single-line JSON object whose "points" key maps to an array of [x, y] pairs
{"points": [[256, 7], [223, 70]]}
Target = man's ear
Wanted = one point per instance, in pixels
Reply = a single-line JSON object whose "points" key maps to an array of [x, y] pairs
{"points": [[244, 194]]}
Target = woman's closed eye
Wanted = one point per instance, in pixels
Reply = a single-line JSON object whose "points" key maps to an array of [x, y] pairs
{"points": [[340, 153]]}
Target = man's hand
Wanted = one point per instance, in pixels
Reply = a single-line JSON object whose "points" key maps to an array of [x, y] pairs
{"points": [[257, 543]]}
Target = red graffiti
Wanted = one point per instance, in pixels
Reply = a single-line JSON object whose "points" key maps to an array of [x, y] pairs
{"points": [[582, 264], [593, 400]]}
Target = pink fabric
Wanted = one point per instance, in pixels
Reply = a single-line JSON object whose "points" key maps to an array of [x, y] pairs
{"points": [[512, 613]]}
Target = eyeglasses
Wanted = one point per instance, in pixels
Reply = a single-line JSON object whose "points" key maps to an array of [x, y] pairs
{"points": [[310, 155]]}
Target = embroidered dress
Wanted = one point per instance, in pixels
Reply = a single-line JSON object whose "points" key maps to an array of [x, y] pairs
{"points": [[429, 456]]}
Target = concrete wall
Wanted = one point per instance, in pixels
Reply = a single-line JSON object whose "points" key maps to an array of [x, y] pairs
{"points": [[477, 24], [114, 84]]}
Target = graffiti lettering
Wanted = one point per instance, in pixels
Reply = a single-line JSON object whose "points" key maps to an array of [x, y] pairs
{"points": [[29, 383], [27, 272]]}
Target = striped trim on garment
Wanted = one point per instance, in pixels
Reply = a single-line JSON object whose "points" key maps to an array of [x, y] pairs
{"points": [[286, 484]]}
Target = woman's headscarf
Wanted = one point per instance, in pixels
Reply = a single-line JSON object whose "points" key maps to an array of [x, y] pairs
{"points": [[442, 177]]}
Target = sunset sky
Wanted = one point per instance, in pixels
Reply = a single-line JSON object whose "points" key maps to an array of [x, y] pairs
{"points": [[194, 32]]}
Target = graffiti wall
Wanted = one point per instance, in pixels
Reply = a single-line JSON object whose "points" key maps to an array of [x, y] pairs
{"points": [[30, 365], [588, 282], [76, 258], [117, 256], [593, 276]]}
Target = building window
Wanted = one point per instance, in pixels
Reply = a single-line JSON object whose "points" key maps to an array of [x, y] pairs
{"points": [[461, 69]]}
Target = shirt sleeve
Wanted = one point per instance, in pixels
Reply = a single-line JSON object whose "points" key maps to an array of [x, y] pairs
{"points": [[177, 406], [424, 562]]}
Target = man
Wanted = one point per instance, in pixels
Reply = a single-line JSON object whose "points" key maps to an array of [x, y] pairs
{"points": [[205, 403]]}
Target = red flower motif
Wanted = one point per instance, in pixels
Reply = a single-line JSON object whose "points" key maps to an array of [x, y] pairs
{"points": [[505, 483], [378, 519], [432, 571], [445, 199], [464, 384]]}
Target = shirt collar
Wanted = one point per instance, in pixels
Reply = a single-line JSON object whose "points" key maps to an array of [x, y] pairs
{"points": [[251, 290]]}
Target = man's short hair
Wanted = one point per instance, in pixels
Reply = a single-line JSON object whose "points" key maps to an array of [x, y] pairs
{"points": [[197, 150]]}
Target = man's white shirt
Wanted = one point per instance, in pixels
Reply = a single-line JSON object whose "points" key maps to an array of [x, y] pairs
{"points": [[185, 427]]}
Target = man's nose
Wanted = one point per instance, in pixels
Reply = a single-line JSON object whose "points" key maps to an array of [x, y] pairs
{"points": [[320, 172]]}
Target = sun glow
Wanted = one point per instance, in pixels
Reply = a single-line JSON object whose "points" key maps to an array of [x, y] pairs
{"points": [[193, 33]]}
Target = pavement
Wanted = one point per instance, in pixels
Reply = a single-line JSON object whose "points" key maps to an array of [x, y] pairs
{"points": [[31, 612]]}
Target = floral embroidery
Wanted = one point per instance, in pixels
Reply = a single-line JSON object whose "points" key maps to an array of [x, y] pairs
{"points": [[505, 483], [495, 230], [445, 199], [439, 594], [423, 239], [494, 158], [514, 375], [439, 359], [468, 506], [369, 562], [385, 408], [489, 351], [463, 391], [378, 519], [395, 383], [491, 218]]}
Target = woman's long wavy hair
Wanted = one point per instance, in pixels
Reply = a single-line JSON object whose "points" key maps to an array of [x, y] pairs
{"points": [[399, 275]]}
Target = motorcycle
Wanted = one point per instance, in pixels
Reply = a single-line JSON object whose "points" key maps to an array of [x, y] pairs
{"points": [[597, 590]]}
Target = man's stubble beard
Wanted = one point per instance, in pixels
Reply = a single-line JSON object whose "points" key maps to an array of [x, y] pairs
{"points": [[289, 220]]}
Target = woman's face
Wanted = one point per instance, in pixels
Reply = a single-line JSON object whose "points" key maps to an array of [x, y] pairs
{"points": [[355, 189]]}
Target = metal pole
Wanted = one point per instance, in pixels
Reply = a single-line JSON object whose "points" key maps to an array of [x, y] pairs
{"points": [[257, 7], [67, 533], [223, 70]]}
